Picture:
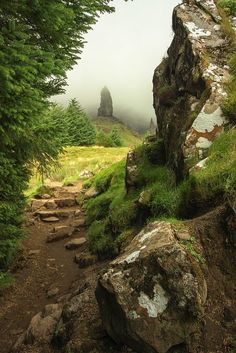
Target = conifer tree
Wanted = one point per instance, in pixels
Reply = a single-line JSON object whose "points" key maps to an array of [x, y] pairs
{"points": [[80, 129], [39, 42], [115, 137]]}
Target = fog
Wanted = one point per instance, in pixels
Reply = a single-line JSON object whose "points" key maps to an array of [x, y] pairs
{"points": [[121, 53]]}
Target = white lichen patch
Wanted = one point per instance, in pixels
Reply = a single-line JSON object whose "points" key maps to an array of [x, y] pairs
{"points": [[207, 122], [155, 305], [214, 72], [147, 236], [197, 32], [203, 143], [131, 257]]}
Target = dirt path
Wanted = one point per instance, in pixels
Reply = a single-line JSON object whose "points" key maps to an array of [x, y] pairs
{"points": [[45, 266]]}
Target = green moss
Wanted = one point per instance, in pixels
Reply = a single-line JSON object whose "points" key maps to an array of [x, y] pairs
{"points": [[6, 280], [229, 105], [100, 240], [98, 207], [190, 246], [219, 176]]}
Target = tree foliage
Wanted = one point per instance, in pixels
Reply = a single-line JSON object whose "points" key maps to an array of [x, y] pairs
{"points": [[39, 41], [80, 129]]}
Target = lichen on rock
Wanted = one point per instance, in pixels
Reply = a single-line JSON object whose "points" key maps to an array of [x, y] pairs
{"points": [[154, 284], [196, 67]]}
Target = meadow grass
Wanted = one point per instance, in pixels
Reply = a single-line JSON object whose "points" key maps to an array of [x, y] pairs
{"points": [[76, 159]]}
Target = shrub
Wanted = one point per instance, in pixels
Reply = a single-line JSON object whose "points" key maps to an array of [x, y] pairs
{"points": [[229, 6]]}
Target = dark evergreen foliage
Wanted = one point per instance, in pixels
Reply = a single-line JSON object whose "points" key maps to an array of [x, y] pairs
{"points": [[39, 42]]}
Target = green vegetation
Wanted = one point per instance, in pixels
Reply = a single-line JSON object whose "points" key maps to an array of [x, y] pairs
{"points": [[190, 245], [157, 196], [218, 179], [127, 136], [73, 161], [6, 280], [229, 6], [229, 106], [80, 130], [112, 139], [39, 43]]}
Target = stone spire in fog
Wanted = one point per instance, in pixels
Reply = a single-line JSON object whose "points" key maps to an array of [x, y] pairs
{"points": [[106, 107]]}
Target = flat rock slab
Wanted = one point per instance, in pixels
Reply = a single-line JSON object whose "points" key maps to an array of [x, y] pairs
{"points": [[51, 219], [37, 204], [75, 243], [54, 213], [79, 223], [51, 205], [65, 202], [60, 232]]}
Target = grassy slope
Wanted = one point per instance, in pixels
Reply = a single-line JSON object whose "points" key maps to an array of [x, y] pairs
{"points": [[129, 138], [114, 213], [76, 159]]}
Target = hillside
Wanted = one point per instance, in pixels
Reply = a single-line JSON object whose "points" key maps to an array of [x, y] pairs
{"points": [[129, 137], [133, 250]]}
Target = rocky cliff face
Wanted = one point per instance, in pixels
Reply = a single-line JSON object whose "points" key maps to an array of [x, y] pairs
{"points": [[188, 85], [106, 106]]}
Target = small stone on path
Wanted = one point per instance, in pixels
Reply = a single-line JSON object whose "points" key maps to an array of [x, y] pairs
{"points": [[34, 252], [75, 243], [51, 219], [52, 292], [59, 233], [51, 205], [78, 223], [46, 196]]}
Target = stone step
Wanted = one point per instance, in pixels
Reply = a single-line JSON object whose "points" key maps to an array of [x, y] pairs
{"points": [[51, 219], [65, 202], [43, 214], [59, 233], [75, 243]]}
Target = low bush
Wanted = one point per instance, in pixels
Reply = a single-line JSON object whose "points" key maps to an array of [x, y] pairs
{"points": [[229, 6], [100, 241]]}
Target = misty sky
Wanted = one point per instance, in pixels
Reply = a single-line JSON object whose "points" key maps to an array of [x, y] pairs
{"points": [[122, 52]]}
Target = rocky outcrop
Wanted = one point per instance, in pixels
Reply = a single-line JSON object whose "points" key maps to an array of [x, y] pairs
{"points": [[152, 296], [188, 85], [106, 106]]}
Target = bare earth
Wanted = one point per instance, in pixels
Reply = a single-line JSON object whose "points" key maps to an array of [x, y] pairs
{"points": [[51, 266]]}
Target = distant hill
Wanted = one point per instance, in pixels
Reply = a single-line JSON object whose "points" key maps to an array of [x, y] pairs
{"points": [[129, 137]]}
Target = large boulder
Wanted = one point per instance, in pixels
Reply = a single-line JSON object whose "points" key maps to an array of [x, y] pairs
{"points": [[189, 85], [41, 327], [151, 297]]}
